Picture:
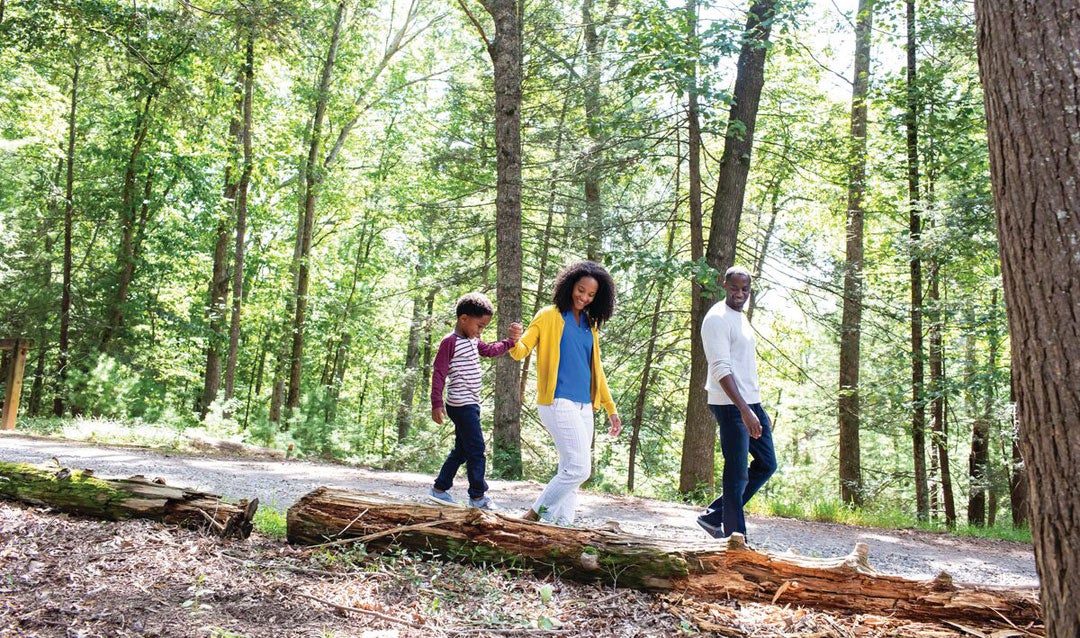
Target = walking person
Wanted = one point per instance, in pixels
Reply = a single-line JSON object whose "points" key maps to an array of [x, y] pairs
{"points": [[457, 369], [570, 381], [735, 401]]}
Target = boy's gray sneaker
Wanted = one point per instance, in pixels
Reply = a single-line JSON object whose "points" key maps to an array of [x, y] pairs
{"points": [[483, 503], [442, 498]]}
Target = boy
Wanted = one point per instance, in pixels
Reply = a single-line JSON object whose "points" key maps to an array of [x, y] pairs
{"points": [[457, 368]]}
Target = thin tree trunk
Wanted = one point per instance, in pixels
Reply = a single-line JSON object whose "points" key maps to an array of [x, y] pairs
{"points": [[646, 372], [594, 212], [938, 399], [312, 177], [69, 211], [506, 57], [699, 431], [851, 487], [410, 375], [918, 392], [126, 255], [242, 189]]}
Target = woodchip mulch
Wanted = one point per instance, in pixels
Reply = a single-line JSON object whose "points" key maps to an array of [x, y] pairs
{"points": [[66, 576]]}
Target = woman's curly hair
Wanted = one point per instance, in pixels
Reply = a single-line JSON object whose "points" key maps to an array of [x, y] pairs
{"points": [[603, 304]]}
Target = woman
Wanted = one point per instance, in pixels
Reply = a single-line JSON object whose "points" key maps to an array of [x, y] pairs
{"points": [[570, 381]]}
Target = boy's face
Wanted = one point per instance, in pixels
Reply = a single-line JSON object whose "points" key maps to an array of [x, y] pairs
{"points": [[471, 327]]}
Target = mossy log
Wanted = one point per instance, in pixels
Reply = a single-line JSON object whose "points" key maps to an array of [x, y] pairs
{"points": [[117, 499], [733, 570]]}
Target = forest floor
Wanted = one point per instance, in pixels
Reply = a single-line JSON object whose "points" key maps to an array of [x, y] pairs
{"points": [[66, 576]]}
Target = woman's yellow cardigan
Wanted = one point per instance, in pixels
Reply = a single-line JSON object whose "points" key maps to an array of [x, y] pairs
{"points": [[546, 330]]}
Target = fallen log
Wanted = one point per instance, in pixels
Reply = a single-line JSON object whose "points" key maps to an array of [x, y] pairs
{"points": [[117, 499], [328, 516]]}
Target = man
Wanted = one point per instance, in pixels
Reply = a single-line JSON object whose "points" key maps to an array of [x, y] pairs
{"points": [[735, 401]]}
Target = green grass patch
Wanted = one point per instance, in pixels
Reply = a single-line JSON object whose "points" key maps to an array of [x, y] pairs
{"points": [[270, 521]]}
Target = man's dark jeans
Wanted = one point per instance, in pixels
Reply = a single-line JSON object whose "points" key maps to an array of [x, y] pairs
{"points": [[468, 449], [740, 479]]}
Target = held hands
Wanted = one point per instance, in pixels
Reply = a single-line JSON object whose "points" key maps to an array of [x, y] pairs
{"points": [[616, 425], [438, 414], [752, 423], [515, 331]]}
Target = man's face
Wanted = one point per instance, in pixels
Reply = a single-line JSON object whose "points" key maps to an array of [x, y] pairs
{"points": [[737, 288]]}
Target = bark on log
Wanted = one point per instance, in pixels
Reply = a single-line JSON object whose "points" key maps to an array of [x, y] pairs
{"points": [[336, 516], [116, 499]]}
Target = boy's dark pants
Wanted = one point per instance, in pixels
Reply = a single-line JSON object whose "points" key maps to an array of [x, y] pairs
{"points": [[468, 449], [740, 482]]}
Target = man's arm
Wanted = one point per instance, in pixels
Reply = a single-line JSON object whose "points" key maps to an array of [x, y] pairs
{"points": [[716, 338]]}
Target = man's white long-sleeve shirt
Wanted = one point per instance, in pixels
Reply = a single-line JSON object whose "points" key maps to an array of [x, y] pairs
{"points": [[729, 345]]}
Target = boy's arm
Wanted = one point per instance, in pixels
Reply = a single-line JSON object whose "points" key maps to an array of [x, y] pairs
{"points": [[500, 347], [439, 369], [528, 340]]}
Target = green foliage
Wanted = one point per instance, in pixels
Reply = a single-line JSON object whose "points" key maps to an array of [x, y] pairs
{"points": [[270, 521]]}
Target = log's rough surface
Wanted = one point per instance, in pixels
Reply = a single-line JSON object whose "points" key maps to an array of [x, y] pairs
{"points": [[336, 516], [115, 499]]}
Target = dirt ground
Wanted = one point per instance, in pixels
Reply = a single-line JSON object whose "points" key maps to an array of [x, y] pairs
{"points": [[66, 576]]}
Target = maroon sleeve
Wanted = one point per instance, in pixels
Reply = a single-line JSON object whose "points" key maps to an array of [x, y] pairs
{"points": [[494, 349], [440, 368]]}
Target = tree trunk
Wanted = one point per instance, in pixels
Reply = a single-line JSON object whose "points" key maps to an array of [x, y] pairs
{"points": [[336, 517], [232, 358], [126, 254], [312, 177], [69, 213], [978, 458], [918, 392], [851, 321], [1034, 138], [646, 371], [699, 439], [697, 465], [114, 499], [938, 396], [591, 171], [410, 375], [506, 55]]}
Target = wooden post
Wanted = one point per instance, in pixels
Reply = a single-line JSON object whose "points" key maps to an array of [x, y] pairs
{"points": [[13, 379]]}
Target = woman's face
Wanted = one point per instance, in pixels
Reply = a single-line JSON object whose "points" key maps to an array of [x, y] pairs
{"points": [[584, 292]]}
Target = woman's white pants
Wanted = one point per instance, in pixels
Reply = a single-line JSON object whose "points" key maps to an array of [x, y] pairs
{"points": [[571, 427]]}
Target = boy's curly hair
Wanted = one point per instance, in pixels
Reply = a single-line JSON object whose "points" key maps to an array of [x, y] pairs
{"points": [[602, 306], [475, 304]]}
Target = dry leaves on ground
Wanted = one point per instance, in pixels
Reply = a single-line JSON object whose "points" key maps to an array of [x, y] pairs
{"points": [[66, 576]]}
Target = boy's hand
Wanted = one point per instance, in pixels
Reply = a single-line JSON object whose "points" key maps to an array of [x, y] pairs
{"points": [[515, 331], [616, 425], [438, 414]]}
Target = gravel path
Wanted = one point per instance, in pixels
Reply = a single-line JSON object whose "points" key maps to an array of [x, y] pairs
{"points": [[277, 483]]}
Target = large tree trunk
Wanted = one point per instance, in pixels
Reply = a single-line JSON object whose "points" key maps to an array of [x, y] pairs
{"points": [[69, 208], [506, 54], [851, 320], [115, 499], [335, 517], [918, 395], [1034, 137]]}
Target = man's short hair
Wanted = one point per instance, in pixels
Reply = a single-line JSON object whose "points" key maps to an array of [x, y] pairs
{"points": [[475, 304], [737, 270]]}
